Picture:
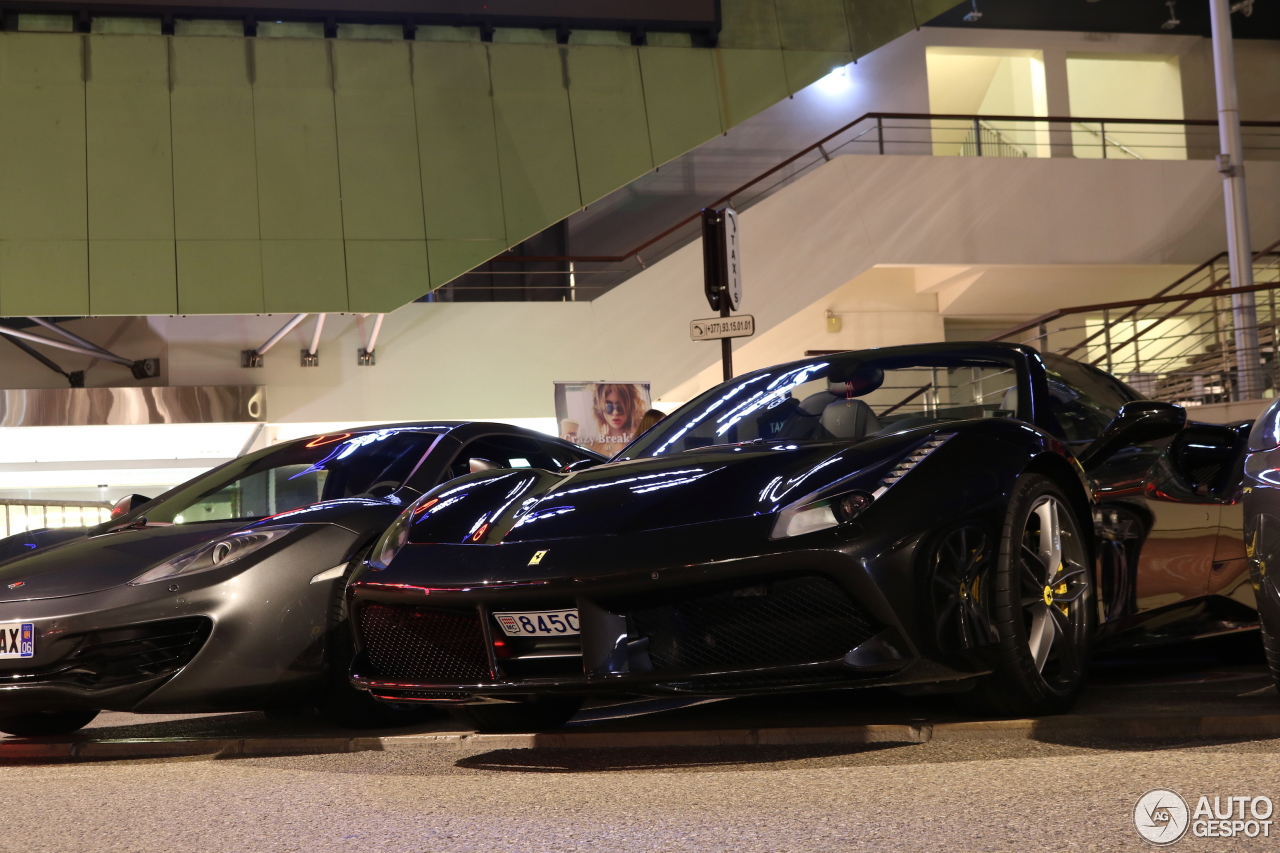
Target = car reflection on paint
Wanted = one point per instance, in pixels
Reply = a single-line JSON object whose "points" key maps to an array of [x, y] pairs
{"points": [[223, 594]]}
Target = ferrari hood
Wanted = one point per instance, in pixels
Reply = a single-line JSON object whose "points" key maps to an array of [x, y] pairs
{"points": [[694, 487], [91, 564]]}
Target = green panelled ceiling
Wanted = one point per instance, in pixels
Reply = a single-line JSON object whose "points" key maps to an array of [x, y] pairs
{"points": [[223, 175]]}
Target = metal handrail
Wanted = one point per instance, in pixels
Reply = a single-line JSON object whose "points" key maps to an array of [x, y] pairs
{"points": [[1159, 298], [879, 118]]}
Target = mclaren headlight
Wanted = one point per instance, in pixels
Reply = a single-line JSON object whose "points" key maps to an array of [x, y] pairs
{"points": [[1265, 434], [820, 514], [214, 555]]}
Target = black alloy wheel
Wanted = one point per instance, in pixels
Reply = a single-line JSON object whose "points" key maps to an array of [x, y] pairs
{"points": [[1044, 605], [540, 714], [961, 569], [45, 723]]}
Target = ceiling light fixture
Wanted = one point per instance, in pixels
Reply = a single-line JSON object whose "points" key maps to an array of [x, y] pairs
{"points": [[974, 16], [1173, 17]]}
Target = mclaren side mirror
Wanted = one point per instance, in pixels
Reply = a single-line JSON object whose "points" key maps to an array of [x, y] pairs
{"points": [[580, 465], [1137, 422], [126, 505]]}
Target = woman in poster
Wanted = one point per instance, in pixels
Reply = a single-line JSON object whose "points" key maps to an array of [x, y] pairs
{"points": [[616, 409]]}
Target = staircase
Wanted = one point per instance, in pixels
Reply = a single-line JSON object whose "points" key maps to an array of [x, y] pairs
{"points": [[1179, 345]]}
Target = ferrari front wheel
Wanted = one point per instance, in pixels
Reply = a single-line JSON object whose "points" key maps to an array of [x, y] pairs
{"points": [[44, 723], [1043, 605]]}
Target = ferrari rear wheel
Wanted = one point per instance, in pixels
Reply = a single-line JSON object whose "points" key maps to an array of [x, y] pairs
{"points": [[545, 712], [1044, 605], [42, 723]]}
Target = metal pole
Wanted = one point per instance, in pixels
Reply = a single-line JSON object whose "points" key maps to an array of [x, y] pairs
{"points": [[880, 132], [726, 344], [1244, 311], [977, 138], [69, 347], [1106, 337], [1102, 134], [284, 330], [315, 335], [71, 336]]}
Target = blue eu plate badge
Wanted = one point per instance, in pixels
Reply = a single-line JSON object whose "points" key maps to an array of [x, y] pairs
{"points": [[17, 640]]}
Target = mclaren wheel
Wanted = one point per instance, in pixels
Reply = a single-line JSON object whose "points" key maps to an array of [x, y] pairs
{"points": [[42, 723], [545, 712], [1043, 606]]}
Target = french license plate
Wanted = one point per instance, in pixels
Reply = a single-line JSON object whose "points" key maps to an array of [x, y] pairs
{"points": [[17, 639], [539, 623]]}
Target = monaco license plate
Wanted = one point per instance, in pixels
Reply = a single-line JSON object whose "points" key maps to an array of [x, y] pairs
{"points": [[18, 640], [539, 623]]}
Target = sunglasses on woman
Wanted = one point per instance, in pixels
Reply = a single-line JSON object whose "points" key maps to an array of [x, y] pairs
{"points": [[615, 409]]}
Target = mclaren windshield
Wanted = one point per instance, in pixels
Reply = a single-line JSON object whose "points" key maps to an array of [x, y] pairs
{"points": [[843, 397], [370, 464]]}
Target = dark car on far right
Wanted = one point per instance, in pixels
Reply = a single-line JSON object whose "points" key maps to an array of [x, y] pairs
{"points": [[1262, 527]]}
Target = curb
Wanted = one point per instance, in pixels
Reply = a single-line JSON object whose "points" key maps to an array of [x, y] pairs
{"points": [[1049, 729]]}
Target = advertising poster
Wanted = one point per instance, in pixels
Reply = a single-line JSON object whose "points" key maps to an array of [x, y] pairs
{"points": [[601, 416]]}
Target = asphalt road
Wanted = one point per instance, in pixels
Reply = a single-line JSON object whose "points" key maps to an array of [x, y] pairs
{"points": [[972, 795], [977, 796]]}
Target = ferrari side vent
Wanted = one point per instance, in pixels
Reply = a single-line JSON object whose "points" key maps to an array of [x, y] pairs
{"points": [[424, 643], [915, 458]]}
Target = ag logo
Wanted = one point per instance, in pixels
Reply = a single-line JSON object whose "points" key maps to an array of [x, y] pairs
{"points": [[1161, 816]]}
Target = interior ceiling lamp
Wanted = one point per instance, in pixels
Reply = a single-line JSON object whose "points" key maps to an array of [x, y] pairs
{"points": [[1244, 7], [974, 16], [1173, 16]]}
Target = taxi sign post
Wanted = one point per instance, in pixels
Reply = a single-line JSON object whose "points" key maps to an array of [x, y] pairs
{"points": [[722, 272]]}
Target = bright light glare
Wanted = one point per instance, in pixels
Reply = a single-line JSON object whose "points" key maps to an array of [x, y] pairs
{"points": [[835, 83]]}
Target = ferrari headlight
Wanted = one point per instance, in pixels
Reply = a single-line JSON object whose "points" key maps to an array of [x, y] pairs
{"points": [[213, 555], [1265, 434], [820, 514], [397, 535]]}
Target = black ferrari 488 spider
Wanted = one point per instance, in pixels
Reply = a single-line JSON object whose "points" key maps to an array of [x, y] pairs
{"points": [[965, 516], [224, 593]]}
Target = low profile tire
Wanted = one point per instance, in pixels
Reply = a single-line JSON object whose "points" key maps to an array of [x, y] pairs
{"points": [[1044, 606], [43, 723], [547, 712], [1269, 620]]}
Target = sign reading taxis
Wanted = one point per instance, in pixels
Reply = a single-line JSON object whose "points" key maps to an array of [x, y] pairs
{"points": [[716, 328]]}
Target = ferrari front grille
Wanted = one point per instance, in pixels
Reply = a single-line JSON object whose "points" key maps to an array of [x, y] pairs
{"points": [[423, 643], [780, 623]]}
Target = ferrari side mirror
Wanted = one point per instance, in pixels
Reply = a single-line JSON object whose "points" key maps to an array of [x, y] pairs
{"points": [[126, 505], [1137, 422]]}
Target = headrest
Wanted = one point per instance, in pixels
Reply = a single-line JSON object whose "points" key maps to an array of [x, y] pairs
{"points": [[862, 379]]}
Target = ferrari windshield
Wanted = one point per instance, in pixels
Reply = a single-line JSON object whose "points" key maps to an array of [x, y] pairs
{"points": [[846, 396], [370, 464]]}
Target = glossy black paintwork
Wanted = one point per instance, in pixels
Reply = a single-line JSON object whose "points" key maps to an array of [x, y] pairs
{"points": [[267, 645], [652, 529]]}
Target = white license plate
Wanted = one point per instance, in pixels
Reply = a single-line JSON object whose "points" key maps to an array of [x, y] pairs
{"points": [[539, 623], [18, 640]]}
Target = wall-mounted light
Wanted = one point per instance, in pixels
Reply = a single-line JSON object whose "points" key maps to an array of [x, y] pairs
{"points": [[833, 322], [835, 83]]}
